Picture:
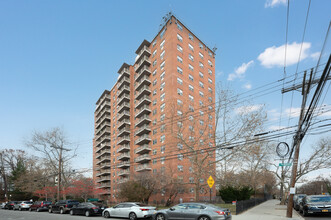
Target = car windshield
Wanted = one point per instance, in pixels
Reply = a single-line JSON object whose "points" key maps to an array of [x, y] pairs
{"points": [[141, 204], [320, 199]]}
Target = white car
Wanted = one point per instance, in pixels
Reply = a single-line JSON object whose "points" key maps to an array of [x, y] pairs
{"points": [[131, 210], [25, 205]]}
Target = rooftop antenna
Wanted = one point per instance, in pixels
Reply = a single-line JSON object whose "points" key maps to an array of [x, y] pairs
{"points": [[165, 19]]}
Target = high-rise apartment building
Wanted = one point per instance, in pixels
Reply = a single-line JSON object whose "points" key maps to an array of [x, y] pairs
{"points": [[159, 118]]}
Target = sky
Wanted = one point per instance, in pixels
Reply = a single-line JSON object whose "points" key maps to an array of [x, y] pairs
{"points": [[57, 57]]}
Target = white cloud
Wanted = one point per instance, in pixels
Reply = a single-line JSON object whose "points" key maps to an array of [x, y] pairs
{"points": [[247, 86], [276, 127], [273, 3], [248, 109], [274, 56], [240, 71], [293, 112], [315, 55]]}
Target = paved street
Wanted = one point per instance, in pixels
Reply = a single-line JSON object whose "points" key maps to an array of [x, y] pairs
{"points": [[26, 215]]}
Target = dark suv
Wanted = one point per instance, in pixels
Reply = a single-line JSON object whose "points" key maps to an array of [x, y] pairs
{"points": [[40, 206], [62, 206]]}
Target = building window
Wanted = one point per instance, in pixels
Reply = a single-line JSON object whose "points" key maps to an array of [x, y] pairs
{"points": [[190, 169], [210, 63], [210, 126], [190, 77], [210, 54], [191, 98], [154, 102], [154, 43], [162, 149], [162, 107], [210, 107], [191, 108], [162, 65], [191, 88], [162, 128], [154, 122], [154, 161], [191, 128], [179, 124], [179, 91], [154, 82], [179, 113], [180, 168], [180, 156], [154, 53], [200, 45], [180, 146], [190, 67], [162, 160], [179, 70], [210, 117], [162, 97], [201, 55], [179, 27], [154, 72], [154, 131], [162, 86], [201, 84], [179, 38], [179, 59], [179, 48], [162, 33], [179, 102], [190, 118], [190, 47], [191, 179], [162, 138], [154, 62], [154, 141], [190, 56], [162, 44], [201, 74], [210, 99], [162, 117], [210, 90], [201, 65], [201, 94], [191, 190], [210, 81], [154, 92], [162, 76], [162, 55], [210, 72], [191, 138], [201, 112], [154, 112], [200, 103], [180, 81], [190, 36]]}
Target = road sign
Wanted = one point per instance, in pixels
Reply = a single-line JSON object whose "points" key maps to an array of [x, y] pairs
{"points": [[210, 182], [285, 164]]}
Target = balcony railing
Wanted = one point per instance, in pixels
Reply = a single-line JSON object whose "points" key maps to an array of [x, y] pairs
{"points": [[125, 122], [124, 89], [144, 60], [143, 140], [143, 91], [123, 156], [143, 158], [124, 114], [124, 81], [143, 167], [143, 130], [124, 140], [124, 106], [143, 51], [124, 131], [123, 98], [143, 110], [124, 172], [124, 164], [123, 148], [142, 72], [143, 149], [144, 100], [143, 120], [143, 81], [123, 180]]}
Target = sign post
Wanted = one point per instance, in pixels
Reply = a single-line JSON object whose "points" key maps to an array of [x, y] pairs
{"points": [[210, 182]]}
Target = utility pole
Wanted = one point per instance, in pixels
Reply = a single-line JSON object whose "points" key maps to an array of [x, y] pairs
{"points": [[297, 141]]}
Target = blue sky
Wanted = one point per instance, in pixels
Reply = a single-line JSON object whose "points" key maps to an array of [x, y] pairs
{"points": [[57, 57]]}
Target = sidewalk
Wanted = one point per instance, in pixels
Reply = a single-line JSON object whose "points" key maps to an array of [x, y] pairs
{"points": [[269, 210]]}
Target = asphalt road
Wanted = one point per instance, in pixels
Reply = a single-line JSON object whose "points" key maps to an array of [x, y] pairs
{"points": [[26, 215]]}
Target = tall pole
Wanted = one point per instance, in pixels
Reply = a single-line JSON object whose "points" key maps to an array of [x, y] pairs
{"points": [[298, 138], [59, 175]]}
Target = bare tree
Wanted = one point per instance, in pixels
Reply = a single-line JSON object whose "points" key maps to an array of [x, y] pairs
{"points": [[55, 148]]}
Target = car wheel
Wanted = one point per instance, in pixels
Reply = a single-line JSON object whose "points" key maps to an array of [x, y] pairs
{"points": [[20, 209], [203, 218], [132, 216], [61, 211], [87, 213], [106, 215], [30, 210], [160, 217], [50, 210], [38, 210], [71, 212], [304, 213]]}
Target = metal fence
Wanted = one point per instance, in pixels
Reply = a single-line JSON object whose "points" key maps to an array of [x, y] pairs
{"points": [[247, 204]]}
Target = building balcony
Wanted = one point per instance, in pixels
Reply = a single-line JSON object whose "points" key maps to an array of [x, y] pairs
{"points": [[104, 165], [105, 117], [125, 72], [104, 137], [144, 60], [144, 51], [123, 148], [143, 149], [143, 81], [143, 130], [143, 167], [124, 164], [104, 130], [124, 106], [124, 131], [124, 140], [123, 90], [103, 172], [123, 115], [104, 186], [103, 152], [143, 158], [102, 125], [105, 192], [124, 123], [102, 106], [102, 145], [123, 98], [143, 120], [144, 100], [105, 111], [145, 139], [123, 180], [125, 172], [125, 81], [143, 91], [145, 71], [143, 111], [124, 156], [103, 179], [103, 159]]}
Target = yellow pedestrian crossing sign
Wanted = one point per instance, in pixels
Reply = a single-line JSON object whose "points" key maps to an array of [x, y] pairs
{"points": [[210, 182]]}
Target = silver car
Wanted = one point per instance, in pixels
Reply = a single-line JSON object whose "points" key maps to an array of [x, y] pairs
{"points": [[131, 210], [193, 211]]}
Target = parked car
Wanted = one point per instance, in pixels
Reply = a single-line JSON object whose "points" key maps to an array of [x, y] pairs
{"points": [[10, 205], [199, 211], [16, 205], [86, 208], [296, 200], [3, 205], [315, 204], [62, 206], [131, 210], [40, 206], [24, 205]]}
